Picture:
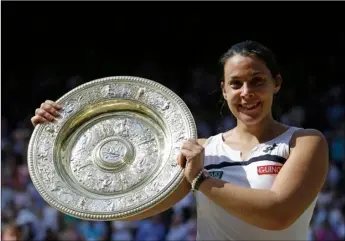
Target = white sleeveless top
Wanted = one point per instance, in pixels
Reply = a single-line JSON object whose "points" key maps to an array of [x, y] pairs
{"points": [[258, 171]]}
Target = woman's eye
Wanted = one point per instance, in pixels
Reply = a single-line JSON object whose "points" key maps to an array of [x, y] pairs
{"points": [[258, 81], [235, 83]]}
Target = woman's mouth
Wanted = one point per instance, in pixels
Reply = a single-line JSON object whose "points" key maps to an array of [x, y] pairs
{"points": [[249, 107], [252, 109]]}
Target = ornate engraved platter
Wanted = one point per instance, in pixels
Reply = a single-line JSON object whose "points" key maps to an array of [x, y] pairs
{"points": [[112, 153]]}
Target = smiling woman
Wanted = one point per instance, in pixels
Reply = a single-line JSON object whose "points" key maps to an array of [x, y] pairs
{"points": [[243, 177]]}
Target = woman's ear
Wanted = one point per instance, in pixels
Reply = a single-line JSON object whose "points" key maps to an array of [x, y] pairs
{"points": [[223, 89], [278, 83]]}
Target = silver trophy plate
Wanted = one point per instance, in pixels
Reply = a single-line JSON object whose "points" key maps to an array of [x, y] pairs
{"points": [[113, 152]]}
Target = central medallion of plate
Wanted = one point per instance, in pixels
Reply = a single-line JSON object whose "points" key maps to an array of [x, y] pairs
{"points": [[112, 152], [116, 153]]}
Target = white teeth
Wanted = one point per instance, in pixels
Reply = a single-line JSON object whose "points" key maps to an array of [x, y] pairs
{"points": [[250, 106]]}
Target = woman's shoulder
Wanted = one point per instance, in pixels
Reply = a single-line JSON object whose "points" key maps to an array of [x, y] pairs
{"points": [[308, 133], [205, 140], [302, 137], [299, 133]]}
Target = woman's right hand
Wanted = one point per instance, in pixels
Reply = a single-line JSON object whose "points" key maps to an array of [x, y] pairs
{"points": [[46, 113]]}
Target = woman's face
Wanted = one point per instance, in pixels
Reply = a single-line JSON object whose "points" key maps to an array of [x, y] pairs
{"points": [[248, 88]]}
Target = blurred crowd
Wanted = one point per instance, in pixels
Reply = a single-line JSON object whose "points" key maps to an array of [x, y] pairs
{"points": [[25, 216]]}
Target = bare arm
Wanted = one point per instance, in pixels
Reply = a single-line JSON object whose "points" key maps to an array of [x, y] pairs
{"points": [[183, 189], [296, 186]]}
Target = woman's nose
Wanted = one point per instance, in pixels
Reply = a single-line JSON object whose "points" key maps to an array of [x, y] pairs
{"points": [[246, 91]]}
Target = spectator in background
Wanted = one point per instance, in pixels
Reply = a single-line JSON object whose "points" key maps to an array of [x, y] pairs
{"points": [[122, 230], [30, 223], [11, 232], [50, 218], [178, 230], [186, 202], [93, 230], [334, 175], [325, 232], [151, 229], [192, 225], [337, 146], [335, 108], [70, 233], [336, 221]]}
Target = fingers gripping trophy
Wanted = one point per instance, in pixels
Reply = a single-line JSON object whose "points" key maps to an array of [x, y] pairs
{"points": [[108, 149]]}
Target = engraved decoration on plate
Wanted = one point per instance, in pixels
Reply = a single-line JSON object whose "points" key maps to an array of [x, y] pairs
{"points": [[112, 153]]}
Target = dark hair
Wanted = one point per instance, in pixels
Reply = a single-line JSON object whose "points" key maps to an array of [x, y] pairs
{"points": [[253, 48]]}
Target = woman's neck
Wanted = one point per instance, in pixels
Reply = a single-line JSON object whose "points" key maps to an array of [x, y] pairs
{"points": [[259, 132]]}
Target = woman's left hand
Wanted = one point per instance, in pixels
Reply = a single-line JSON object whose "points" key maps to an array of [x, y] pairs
{"points": [[194, 155]]}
